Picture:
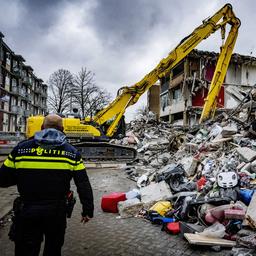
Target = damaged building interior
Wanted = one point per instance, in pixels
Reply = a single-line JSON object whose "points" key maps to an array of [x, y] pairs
{"points": [[180, 96]]}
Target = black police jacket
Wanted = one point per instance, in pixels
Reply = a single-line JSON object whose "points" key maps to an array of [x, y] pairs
{"points": [[43, 175]]}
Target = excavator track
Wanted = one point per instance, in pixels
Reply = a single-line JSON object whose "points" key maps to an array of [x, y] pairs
{"points": [[95, 152], [104, 152]]}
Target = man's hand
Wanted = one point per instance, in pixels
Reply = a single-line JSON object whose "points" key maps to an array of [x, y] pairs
{"points": [[85, 219]]}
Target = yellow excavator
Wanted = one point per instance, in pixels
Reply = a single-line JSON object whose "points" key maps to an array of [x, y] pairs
{"points": [[93, 135]]}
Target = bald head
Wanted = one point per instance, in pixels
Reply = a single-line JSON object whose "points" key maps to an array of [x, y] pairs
{"points": [[53, 121]]}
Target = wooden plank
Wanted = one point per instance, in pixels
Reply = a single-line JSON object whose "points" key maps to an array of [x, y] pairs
{"points": [[221, 140], [204, 240], [253, 182], [251, 212]]}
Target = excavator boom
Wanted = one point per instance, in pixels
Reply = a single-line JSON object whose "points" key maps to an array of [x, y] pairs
{"points": [[130, 95], [97, 133]]}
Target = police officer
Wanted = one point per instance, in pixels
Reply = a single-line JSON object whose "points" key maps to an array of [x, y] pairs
{"points": [[42, 168]]}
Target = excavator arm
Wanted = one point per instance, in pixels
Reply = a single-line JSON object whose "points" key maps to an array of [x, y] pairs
{"points": [[129, 95], [91, 136]]}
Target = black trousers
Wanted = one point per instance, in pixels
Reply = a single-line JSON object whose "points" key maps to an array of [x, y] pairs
{"points": [[32, 230]]}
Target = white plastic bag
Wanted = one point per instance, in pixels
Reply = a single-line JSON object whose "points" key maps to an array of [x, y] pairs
{"points": [[132, 194], [217, 230]]}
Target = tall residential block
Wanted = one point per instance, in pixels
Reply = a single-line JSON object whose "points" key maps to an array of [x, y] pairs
{"points": [[22, 94]]}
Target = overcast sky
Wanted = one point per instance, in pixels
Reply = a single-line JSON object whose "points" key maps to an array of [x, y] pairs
{"points": [[119, 40]]}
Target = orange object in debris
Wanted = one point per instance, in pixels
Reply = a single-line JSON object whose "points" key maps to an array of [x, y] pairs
{"points": [[200, 183], [109, 202], [173, 228]]}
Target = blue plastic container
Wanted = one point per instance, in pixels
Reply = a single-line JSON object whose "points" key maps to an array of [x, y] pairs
{"points": [[246, 195]]}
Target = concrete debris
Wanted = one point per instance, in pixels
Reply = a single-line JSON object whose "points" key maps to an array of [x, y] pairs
{"points": [[247, 154], [129, 208], [155, 192], [207, 173], [240, 251], [247, 241], [228, 131], [189, 165]]}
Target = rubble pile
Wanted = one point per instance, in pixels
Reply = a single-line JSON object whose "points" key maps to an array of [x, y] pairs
{"points": [[156, 143], [206, 174]]}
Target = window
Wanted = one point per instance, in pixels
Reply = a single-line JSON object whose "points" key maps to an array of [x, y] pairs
{"points": [[14, 82], [7, 79], [178, 69], [15, 65], [164, 101], [13, 101], [176, 94], [165, 84], [247, 74], [8, 58]]}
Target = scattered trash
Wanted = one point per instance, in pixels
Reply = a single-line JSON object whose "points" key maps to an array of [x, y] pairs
{"points": [[198, 239], [217, 230], [155, 192], [197, 181], [135, 193], [161, 207], [129, 208], [247, 241], [173, 228], [109, 202]]}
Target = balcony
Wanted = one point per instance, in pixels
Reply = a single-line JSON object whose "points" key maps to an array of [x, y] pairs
{"points": [[44, 94], [16, 110], [37, 102], [43, 105], [15, 90], [27, 80], [28, 97], [27, 113], [22, 93], [38, 90], [8, 64], [18, 91], [17, 72], [1, 55]]}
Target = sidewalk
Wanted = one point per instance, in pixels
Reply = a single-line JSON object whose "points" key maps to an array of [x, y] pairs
{"points": [[104, 165], [7, 195]]}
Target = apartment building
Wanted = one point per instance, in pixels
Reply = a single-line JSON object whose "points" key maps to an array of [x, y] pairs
{"points": [[22, 94], [182, 93]]}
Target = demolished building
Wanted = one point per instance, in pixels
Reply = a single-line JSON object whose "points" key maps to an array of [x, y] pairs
{"points": [[182, 93]]}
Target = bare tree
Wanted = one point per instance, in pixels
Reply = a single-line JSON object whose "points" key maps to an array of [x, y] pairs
{"points": [[97, 101], [83, 88], [87, 96], [60, 84]]}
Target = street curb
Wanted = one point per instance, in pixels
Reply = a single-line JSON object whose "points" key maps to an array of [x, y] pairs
{"points": [[104, 165]]}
